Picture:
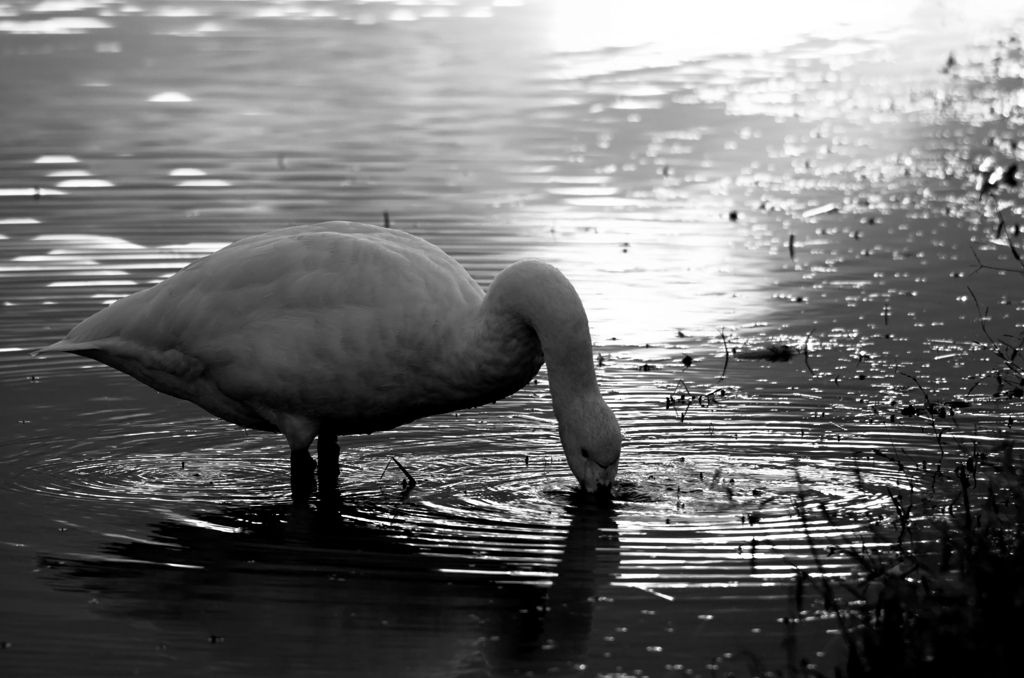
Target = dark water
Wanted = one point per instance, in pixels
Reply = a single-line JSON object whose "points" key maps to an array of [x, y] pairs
{"points": [[141, 537]]}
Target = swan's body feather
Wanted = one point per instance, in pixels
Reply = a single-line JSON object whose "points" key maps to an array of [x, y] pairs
{"points": [[338, 327]]}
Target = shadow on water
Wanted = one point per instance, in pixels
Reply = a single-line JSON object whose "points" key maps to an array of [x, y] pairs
{"points": [[304, 589]]}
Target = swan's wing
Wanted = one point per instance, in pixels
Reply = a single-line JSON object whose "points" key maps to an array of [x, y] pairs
{"points": [[310, 316]]}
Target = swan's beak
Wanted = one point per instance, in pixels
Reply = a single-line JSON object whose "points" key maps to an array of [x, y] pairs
{"points": [[598, 479]]}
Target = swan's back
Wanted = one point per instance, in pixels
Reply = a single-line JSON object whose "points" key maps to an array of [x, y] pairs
{"points": [[283, 273], [341, 322]]}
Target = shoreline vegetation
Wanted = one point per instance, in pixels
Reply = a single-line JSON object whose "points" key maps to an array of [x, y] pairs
{"points": [[940, 590], [935, 582]]}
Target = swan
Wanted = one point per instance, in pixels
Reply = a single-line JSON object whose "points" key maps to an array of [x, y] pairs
{"points": [[341, 328]]}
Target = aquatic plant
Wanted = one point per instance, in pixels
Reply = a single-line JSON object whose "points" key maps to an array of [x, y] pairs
{"points": [[938, 584], [938, 581]]}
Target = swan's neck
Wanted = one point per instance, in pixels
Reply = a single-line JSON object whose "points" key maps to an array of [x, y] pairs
{"points": [[530, 296], [533, 301]]}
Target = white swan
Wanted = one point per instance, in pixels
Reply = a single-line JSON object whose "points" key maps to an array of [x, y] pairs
{"points": [[342, 328]]}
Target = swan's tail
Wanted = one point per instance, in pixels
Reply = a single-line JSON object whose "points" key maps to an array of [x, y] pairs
{"points": [[100, 331], [66, 346]]}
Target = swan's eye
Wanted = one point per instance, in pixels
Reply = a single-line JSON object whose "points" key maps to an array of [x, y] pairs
{"points": [[586, 455]]}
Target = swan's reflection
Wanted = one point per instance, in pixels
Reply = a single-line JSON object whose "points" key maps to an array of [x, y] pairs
{"points": [[324, 587]]}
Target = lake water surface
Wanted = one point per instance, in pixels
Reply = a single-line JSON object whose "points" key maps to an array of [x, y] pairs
{"points": [[717, 184]]}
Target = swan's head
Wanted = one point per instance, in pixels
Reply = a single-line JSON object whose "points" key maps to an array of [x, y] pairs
{"points": [[592, 443]]}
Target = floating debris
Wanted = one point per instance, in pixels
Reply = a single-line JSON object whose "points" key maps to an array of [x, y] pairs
{"points": [[991, 176], [950, 64], [772, 353], [409, 483], [1004, 175]]}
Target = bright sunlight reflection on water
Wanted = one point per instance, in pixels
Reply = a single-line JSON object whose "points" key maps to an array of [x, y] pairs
{"points": [[680, 31]]}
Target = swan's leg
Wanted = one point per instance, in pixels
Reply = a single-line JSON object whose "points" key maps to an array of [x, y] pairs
{"points": [[302, 463], [300, 433], [327, 452], [303, 474]]}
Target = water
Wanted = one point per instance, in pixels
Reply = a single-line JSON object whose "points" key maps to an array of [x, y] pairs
{"points": [[140, 536]]}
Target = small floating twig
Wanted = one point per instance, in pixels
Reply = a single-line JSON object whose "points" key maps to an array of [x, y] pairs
{"points": [[726, 345], [411, 480], [807, 355]]}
